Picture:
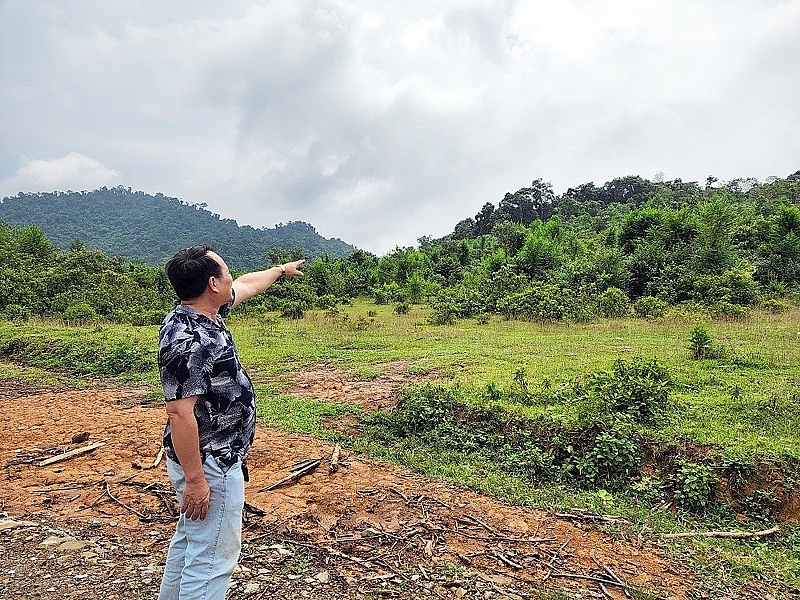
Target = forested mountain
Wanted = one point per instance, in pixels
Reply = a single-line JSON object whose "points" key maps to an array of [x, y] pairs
{"points": [[150, 229], [629, 247]]}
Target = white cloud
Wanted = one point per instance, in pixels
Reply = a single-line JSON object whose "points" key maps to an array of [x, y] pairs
{"points": [[71, 172]]}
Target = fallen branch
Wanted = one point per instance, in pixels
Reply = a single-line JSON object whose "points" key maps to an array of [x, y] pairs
{"points": [[294, 476], [123, 505], [589, 517], [588, 578], [507, 561], [479, 522], [399, 493], [724, 534], [72, 453], [299, 465]]}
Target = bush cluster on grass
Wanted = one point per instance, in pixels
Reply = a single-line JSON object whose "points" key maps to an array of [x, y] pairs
{"points": [[597, 449]]}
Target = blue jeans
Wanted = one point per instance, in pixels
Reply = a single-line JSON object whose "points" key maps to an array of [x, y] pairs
{"points": [[202, 554]]}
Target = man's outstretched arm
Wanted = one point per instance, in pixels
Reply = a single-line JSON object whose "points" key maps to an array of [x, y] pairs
{"points": [[251, 284]]}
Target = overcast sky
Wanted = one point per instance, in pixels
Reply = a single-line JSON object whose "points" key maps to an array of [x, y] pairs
{"points": [[381, 122]]}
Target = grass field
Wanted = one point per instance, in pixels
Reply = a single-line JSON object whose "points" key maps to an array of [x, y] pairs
{"points": [[739, 408]]}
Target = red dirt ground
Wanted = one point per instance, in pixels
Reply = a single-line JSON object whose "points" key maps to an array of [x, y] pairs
{"points": [[366, 530]]}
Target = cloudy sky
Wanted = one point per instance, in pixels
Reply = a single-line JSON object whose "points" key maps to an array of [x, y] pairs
{"points": [[380, 122]]}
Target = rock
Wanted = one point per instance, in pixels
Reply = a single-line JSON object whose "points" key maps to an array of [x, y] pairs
{"points": [[72, 545], [460, 592], [251, 588], [322, 577], [79, 438], [11, 524]]}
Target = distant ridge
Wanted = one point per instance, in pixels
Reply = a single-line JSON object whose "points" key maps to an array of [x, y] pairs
{"points": [[150, 228]]}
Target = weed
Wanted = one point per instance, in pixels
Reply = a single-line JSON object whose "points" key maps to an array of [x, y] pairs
{"points": [[611, 462], [699, 342], [401, 308], [694, 486]]}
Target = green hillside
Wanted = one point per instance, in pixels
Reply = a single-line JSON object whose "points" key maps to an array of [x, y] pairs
{"points": [[151, 228]]}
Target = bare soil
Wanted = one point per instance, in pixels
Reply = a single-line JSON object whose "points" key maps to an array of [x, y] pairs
{"points": [[98, 525]]}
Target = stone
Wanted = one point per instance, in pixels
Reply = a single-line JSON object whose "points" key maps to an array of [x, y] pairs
{"points": [[322, 577], [11, 524]]}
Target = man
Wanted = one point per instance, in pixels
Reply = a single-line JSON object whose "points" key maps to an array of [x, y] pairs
{"points": [[211, 419]]}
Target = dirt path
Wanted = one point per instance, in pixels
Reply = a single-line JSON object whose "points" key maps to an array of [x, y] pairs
{"points": [[98, 525]]}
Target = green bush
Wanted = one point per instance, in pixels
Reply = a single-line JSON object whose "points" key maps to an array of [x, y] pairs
{"points": [[401, 309], [610, 462], [544, 303], [694, 486], [638, 388], [16, 312], [725, 310], [774, 305], [700, 343], [326, 302], [445, 312], [80, 312], [142, 318], [292, 310], [650, 307], [613, 303]]}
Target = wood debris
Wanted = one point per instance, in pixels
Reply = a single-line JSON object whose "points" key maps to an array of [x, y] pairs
{"points": [[72, 453]]}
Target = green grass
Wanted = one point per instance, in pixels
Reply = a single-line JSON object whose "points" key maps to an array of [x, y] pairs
{"points": [[742, 406]]}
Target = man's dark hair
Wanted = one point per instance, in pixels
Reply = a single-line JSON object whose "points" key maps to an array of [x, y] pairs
{"points": [[189, 270]]}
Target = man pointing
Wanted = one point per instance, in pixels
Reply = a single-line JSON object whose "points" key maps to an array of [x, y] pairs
{"points": [[211, 413]]}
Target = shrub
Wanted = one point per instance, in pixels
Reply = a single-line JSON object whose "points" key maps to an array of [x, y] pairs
{"points": [[613, 303], [729, 311], [445, 312], [326, 302], [401, 309], [543, 302], [16, 312], [80, 312], [143, 317], [774, 305], [637, 388], [650, 307], [292, 310], [699, 342], [612, 460], [694, 486]]}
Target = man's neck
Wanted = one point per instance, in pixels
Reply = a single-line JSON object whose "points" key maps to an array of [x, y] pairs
{"points": [[203, 307]]}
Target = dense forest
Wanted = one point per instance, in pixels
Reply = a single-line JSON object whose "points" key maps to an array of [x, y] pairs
{"points": [[151, 228], [630, 247]]}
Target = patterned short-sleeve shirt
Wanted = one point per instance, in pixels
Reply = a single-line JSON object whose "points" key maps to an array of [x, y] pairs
{"points": [[197, 357]]}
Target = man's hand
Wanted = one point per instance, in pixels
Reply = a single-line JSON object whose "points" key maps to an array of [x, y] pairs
{"points": [[250, 284], [293, 268], [196, 497]]}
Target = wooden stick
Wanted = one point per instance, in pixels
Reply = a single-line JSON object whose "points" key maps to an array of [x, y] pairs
{"points": [[479, 522], [334, 466], [159, 456], [302, 464], [296, 475], [73, 453], [123, 505], [507, 560], [588, 578], [724, 534]]}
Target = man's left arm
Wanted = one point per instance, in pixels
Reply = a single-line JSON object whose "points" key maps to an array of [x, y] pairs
{"points": [[252, 284]]}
